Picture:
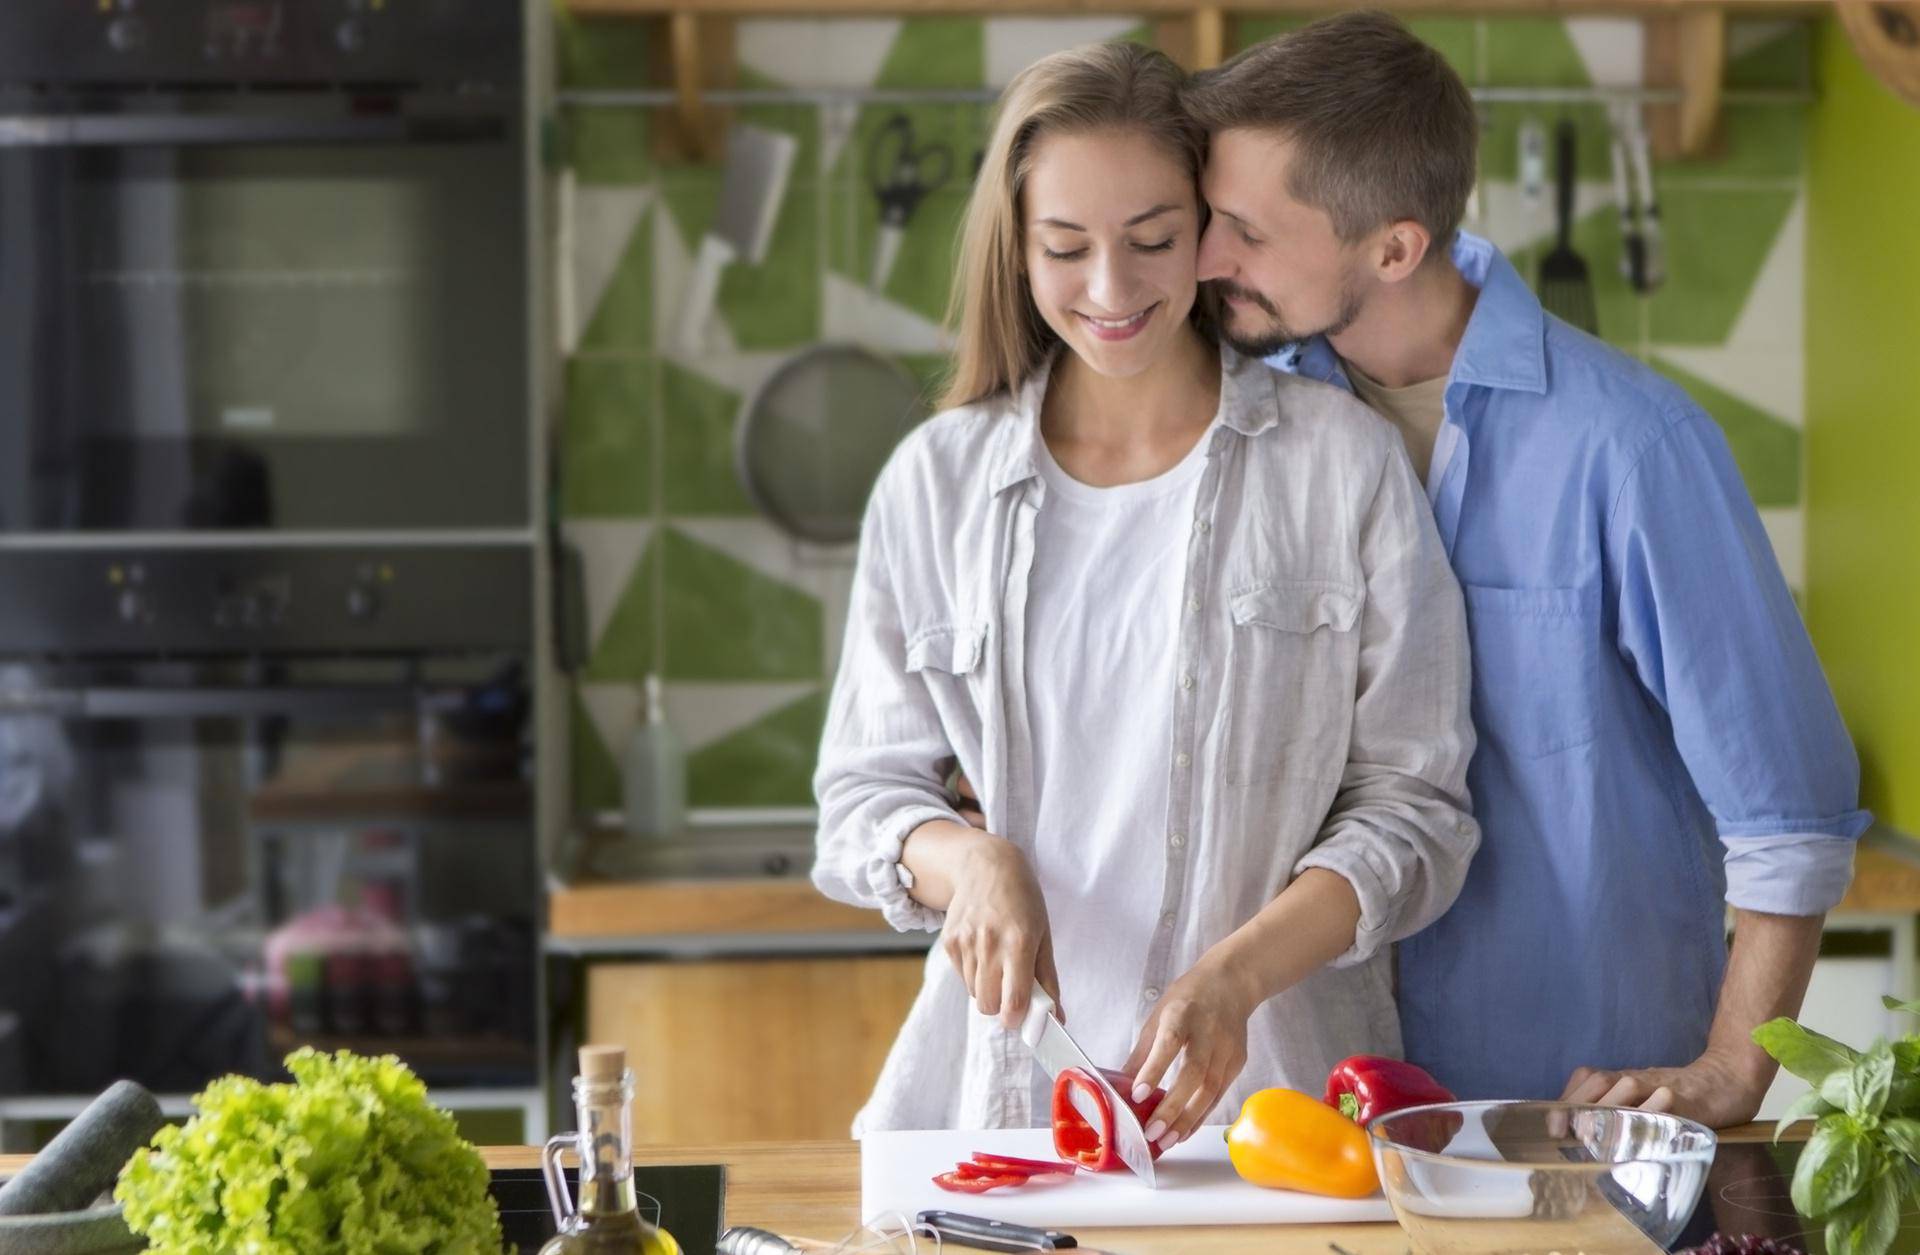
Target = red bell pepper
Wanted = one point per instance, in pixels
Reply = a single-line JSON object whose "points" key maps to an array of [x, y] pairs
{"points": [[960, 1184], [1076, 1138], [1366, 1086], [1013, 1163]]}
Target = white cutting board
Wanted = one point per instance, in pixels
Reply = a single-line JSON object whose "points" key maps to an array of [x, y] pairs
{"points": [[1197, 1186]]}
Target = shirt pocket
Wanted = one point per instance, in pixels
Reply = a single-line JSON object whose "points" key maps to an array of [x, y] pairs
{"points": [[1536, 666], [953, 649], [1290, 677]]}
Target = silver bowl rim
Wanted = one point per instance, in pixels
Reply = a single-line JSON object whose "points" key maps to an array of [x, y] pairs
{"points": [[1381, 1142]]}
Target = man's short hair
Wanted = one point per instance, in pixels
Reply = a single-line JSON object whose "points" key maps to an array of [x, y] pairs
{"points": [[1382, 127]]}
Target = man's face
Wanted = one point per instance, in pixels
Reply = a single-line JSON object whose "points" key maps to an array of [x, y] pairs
{"points": [[1282, 273]]}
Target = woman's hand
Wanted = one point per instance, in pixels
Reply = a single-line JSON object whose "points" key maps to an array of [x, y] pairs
{"points": [[1201, 1021], [996, 932]]}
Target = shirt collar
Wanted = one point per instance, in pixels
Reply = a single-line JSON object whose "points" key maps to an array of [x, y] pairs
{"points": [[1246, 406], [1505, 345]]}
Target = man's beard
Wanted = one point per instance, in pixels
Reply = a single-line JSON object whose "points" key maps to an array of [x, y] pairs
{"points": [[1278, 334]]}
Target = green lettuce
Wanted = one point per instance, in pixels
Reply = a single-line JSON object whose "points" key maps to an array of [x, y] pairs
{"points": [[349, 1159]]}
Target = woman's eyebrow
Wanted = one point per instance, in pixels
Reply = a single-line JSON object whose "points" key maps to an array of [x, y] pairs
{"points": [[1134, 221]]}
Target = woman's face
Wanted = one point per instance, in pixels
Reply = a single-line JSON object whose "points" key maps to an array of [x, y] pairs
{"points": [[1111, 223]]}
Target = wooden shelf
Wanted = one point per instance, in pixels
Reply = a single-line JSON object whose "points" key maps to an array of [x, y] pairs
{"points": [[1685, 45], [666, 908]]}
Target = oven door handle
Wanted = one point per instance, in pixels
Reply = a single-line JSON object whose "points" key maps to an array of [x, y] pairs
{"points": [[208, 702], [98, 130]]}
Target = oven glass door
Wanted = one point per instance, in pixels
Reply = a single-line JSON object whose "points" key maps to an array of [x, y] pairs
{"points": [[203, 866], [290, 316]]}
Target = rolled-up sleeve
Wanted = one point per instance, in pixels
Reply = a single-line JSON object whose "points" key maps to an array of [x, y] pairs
{"points": [[1712, 631], [877, 778], [1400, 829]]}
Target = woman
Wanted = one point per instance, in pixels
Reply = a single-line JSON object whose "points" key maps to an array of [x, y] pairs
{"points": [[1184, 622]]}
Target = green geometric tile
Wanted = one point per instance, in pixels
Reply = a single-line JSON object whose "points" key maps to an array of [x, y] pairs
{"points": [[602, 52], [1533, 52], [623, 320], [1786, 60], [727, 621], [1455, 38], [775, 304], [607, 448], [931, 370], [1596, 238], [628, 649], [1717, 241], [596, 774], [607, 145], [1758, 141], [1244, 32], [923, 266], [767, 763], [696, 438], [1500, 141], [936, 52], [1766, 448]]}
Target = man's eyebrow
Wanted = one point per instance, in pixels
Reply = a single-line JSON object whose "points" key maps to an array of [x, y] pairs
{"points": [[1134, 221], [1228, 213]]}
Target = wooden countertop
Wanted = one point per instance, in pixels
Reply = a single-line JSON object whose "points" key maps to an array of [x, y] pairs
{"points": [[812, 1190]]}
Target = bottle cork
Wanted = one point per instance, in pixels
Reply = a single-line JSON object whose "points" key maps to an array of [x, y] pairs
{"points": [[602, 1063]]}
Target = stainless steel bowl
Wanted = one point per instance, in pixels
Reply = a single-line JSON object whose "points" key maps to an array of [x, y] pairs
{"points": [[1511, 1177]]}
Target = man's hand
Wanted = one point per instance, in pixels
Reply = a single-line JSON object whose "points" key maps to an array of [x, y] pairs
{"points": [[968, 802], [1201, 1021], [1717, 1089]]}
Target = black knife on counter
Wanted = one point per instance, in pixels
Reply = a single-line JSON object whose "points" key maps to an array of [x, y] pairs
{"points": [[982, 1234]]}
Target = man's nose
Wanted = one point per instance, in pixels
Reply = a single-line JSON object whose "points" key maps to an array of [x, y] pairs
{"points": [[1214, 260]]}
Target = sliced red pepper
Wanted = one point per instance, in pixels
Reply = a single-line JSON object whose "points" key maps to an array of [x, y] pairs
{"points": [[976, 1185], [1013, 1163], [1078, 1139]]}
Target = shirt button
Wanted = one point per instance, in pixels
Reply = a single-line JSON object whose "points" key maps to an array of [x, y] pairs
{"points": [[1166, 921], [1193, 605], [1178, 840], [1464, 828], [1202, 526], [1151, 994], [1186, 680], [1182, 759]]}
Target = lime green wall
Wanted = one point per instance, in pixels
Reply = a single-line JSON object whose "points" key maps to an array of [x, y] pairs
{"points": [[1863, 418]]}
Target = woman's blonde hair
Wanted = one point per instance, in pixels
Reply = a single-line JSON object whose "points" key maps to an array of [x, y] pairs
{"points": [[1000, 338]]}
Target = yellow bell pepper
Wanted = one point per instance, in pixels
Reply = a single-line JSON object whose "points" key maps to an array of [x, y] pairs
{"points": [[1286, 1140]]}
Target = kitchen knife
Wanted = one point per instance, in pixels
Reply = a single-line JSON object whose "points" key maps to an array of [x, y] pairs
{"points": [[983, 1234], [1056, 1052]]}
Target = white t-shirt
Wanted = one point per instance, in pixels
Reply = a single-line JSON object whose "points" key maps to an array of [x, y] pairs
{"points": [[1103, 618]]}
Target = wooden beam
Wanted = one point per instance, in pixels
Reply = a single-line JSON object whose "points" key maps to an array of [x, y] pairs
{"points": [[913, 8], [1687, 50], [1209, 37]]}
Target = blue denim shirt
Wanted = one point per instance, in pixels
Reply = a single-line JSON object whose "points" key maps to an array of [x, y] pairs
{"points": [[1656, 735]]}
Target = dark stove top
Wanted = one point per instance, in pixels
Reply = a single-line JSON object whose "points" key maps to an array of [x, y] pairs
{"points": [[692, 1201], [1747, 1192]]}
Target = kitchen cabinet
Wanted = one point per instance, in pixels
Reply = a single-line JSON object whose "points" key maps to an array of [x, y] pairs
{"points": [[751, 1049], [752, 1008]]}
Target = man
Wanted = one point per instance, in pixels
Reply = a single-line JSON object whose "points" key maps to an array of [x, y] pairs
{"points": [[1656, 736]]}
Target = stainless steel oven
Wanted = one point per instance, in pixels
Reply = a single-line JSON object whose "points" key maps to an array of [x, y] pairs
{"points": [[268, 545], [262, 266]]}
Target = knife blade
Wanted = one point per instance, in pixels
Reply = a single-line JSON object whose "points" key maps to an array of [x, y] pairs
{"points": [[1056, 1051]]}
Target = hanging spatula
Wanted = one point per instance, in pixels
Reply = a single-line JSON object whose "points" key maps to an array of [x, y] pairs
{"points": [[1566, 289]]}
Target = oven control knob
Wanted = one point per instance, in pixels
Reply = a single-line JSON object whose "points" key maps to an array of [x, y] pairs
{"points": [[133, 607], [363, 601], [126, 34]]}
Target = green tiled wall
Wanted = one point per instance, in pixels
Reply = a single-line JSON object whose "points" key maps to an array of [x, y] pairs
{"points": [[684, 580]]}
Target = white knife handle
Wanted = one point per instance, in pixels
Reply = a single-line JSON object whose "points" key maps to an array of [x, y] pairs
{"points": [[1039, 1007]]}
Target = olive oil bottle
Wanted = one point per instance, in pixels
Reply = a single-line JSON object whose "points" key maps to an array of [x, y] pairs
{"points": [[611, 1219]]}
